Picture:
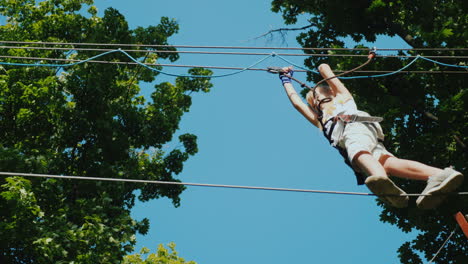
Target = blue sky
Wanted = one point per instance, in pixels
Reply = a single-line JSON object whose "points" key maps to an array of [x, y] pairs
{"points": [[249, 134]]}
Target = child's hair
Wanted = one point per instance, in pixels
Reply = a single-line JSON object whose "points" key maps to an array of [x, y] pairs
{"points": [[310, 96]]}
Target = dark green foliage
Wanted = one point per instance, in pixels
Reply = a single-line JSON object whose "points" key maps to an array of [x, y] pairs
{"points": [[425, 114], [87, 120]]}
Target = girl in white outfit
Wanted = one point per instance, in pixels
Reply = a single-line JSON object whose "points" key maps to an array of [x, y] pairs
{"points": [[359, 139]]}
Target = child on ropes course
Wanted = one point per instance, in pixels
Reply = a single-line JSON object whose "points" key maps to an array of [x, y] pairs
{"points": [[358, 137]]}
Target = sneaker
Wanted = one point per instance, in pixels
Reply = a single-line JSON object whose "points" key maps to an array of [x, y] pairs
{"points": [[443, 183], [387, 191]]}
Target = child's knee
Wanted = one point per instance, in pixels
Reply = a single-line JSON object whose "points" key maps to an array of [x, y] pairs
{"points": [[388, 162]]}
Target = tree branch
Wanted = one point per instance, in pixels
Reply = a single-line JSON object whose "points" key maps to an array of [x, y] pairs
{"points": [[457, 138], [282, 31]]}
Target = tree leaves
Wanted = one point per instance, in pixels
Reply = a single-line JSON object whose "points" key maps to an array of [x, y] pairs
{"points": [[162, 255], [87, 120]]}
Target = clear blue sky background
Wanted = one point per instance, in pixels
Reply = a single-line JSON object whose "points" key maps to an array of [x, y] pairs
{"points": [[249, 134]]}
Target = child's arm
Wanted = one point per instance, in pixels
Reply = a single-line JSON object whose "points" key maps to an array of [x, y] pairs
{"points": [[297, 102], [335, 84]]}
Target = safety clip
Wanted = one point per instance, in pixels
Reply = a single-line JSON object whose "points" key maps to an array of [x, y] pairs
{"points": [[275, 70], [372, 53]]}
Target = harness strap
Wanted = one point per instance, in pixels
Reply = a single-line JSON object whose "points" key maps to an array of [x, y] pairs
{"points": [[357, 118], [360, 177], [346, 119]]}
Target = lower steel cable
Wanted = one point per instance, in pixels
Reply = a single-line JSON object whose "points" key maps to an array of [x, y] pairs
{"points": [[198, 184]]}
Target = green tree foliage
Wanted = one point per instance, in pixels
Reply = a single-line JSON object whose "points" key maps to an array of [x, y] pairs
{"points": [[425, 114], [163, 255], [89, 120]]}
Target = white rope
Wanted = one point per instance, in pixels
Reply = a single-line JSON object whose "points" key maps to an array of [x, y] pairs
{"points": [[443, 245]]}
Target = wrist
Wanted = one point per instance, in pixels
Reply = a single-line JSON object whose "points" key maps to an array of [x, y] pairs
{"points": [[285, 78]]}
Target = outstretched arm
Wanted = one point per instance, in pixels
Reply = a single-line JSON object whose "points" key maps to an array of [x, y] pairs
{"points": [[296, 100], [335, 84]]}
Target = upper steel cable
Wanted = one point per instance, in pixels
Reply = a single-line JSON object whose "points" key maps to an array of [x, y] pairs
{"points": [[232, 53], [222, 47]]}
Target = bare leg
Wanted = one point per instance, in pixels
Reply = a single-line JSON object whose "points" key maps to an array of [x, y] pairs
{"points": [[408, 169], [367, 163], [444, 181]]}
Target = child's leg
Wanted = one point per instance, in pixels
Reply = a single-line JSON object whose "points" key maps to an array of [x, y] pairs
{"points": [[378, 181], [360, 141], [408, 169], [440, 181], [368, 164]]}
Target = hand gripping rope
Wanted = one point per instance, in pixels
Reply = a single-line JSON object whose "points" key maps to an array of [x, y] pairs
{"points": [[279, 70], [316, 107]]}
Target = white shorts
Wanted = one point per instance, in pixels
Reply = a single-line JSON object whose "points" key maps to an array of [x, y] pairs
{"points": [[358, 137]]}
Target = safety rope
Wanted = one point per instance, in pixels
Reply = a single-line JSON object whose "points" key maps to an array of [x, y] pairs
{"points": [[316, 106], [239, 70], [225, 67], [51, 65], [370, 57], [377, 75]]}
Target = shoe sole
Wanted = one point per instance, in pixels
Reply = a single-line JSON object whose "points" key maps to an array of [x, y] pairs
{"points": [[388, 192], [448, 185]]}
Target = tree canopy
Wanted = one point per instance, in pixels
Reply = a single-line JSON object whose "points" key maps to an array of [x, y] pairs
{"points": [[162, 255], [90, 120], [425, 114]]}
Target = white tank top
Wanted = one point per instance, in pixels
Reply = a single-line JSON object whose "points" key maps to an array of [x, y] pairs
{"points": [[344, 108], [339, 107]]}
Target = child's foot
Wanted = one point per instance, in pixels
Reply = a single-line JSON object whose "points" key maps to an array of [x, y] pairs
{"points": [[442, 183], [387, 191]]}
